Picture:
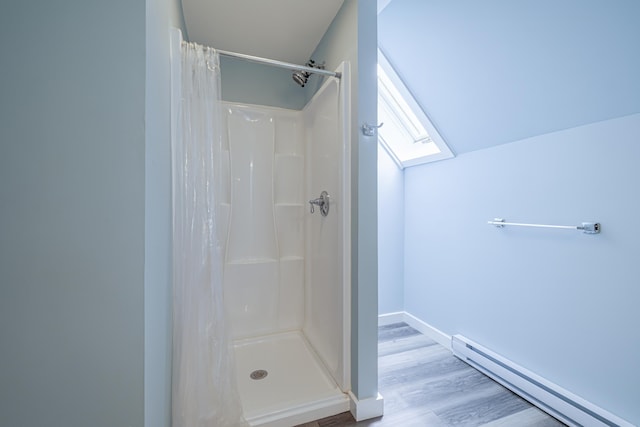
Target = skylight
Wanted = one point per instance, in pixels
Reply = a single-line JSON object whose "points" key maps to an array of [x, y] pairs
{"points": [[407, 134]]}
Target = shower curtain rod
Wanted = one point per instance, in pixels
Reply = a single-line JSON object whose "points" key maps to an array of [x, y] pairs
{"points": [[280, 64]]}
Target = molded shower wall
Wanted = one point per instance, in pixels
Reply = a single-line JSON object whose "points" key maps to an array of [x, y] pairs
{"points": [[285, 267], [327, 273], [264, 270]]}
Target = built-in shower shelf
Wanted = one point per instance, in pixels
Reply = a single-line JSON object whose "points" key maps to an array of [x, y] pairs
{"points": [[292, 258], [252, 261], [292, 155]]}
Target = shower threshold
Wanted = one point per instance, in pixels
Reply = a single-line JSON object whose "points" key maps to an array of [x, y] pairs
{"points": [[282, 383]]}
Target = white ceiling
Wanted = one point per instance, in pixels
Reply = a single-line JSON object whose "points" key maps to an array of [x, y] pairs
{"points": [[286, 30]]}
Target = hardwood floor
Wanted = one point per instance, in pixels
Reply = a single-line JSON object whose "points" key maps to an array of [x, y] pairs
{"points": [[424, 385]]}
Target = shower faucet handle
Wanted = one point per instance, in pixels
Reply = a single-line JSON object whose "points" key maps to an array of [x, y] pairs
{"points": [[322, 202], [311, 203], [318, 202]]}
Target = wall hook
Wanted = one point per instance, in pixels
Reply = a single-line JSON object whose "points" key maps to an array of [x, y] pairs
{"points": [[370, 130]]}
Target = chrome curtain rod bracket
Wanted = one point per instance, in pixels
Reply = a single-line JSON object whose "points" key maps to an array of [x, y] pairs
{"points": [[586, 227], [280, 64]]}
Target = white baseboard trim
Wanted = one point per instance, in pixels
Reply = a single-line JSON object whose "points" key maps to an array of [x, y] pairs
{"points": [[421, 326], [426, 329], [391, 318], [365, 409]]}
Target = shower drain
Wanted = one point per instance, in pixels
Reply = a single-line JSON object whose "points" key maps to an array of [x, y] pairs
{"points": [[258, 374]]}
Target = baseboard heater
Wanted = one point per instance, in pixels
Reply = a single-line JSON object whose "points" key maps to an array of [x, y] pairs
{"points": [[559, 403]]}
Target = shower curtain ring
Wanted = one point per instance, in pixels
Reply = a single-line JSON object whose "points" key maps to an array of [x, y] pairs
{"points": [[209, 67]]}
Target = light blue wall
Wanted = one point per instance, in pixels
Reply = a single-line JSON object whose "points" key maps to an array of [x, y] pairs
{"points": [[72, 213], [352, 37], [558, 302], [496, 71], [85, 232], [390, 234], [161, 15], [338, 44], [260, 84], [364, 225]]}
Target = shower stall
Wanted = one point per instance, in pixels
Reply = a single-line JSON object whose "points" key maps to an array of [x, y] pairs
{"points": [[286, 272], [281, 212]]}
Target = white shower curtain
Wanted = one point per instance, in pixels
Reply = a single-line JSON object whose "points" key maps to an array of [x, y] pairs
{"points": [[204, 392]]}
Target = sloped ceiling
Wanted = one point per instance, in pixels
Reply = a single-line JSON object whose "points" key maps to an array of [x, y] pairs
{"points": [[286, 30], [495, 71]]}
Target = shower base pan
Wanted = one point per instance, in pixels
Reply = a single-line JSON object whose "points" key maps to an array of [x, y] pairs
{"points": [[282, 382]]}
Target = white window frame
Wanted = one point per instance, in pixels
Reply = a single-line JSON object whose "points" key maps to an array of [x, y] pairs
{"points": [[405, 132]]}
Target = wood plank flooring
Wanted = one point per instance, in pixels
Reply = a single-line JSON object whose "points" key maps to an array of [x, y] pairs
{"points": [[424, 385]]}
